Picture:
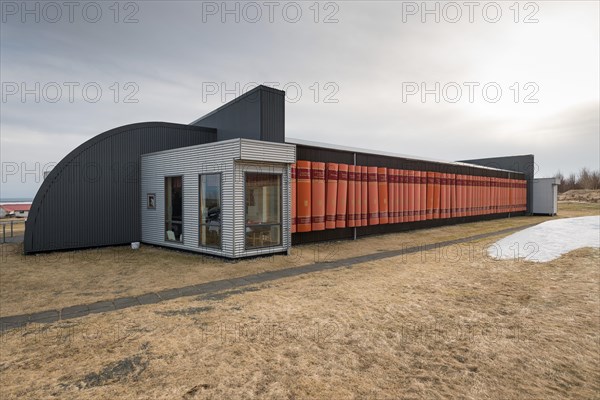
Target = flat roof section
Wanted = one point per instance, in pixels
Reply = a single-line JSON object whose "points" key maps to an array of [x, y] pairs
{"points": [[330, 146]]}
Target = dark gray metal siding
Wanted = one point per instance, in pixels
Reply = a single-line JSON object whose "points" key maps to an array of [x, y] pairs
{"points": [[92, 197], [272, 115], [257, 114], [313, 153], [524, 164]]}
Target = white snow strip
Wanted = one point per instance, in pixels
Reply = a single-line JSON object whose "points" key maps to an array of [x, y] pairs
{"points": [[548, 240]]}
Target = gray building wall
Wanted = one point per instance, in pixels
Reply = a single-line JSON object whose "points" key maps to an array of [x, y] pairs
{"points": [[231, 158], [524, 164], [91, 198], [258, 114]]}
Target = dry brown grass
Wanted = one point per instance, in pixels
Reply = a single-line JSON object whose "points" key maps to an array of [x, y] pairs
{"points": [[46, 281], [18, 226], [424, 326], [581, 195]]}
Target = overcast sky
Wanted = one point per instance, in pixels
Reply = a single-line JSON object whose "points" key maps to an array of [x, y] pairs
{"points": [[354, 73]]}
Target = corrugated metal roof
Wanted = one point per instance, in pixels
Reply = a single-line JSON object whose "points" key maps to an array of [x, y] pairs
{"points": [[16, 207]]}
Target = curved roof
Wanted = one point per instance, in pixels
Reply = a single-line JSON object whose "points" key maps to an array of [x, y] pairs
{"points": [[91, 198]]}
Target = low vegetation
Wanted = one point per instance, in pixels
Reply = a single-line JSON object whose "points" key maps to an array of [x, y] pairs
{"points": [[585, 179], [445, 323]]}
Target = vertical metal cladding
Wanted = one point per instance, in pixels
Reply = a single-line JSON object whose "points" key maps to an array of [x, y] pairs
{"points": [[443, 199], [391, 196], [304, 196], [417, 196], [404, 196], [364, 177], [452, 189], [411, 196], [92, 197], [430, 186], [351, 197], [382, 188], [373, 195], [331, 198], [342, 197], [294, 198], [317, 175]]}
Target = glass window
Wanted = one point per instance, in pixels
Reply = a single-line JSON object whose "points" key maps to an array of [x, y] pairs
{"points": [[210, 210], [263, 210], [174, 208]]}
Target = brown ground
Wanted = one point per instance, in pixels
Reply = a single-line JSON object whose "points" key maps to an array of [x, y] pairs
{"points": [[583, 195], [449, 323], [55, 280]]}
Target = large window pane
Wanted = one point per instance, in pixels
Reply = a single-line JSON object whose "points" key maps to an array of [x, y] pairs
{"points": [[210, 210], [174, 208], [263, 210]]}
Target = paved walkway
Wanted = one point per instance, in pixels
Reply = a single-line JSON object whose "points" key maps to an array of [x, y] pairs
{"points": [[208, 288]]}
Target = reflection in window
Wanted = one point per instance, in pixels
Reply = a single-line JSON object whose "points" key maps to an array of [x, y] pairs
{"points": [[174, 208], [210, 210], [263, 210]]}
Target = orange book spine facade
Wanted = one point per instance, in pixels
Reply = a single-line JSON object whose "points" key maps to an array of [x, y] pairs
{"points": [[358, 195], [452, 190], [403, 195], [391, 196], [417, 195], [364, 196], [436, 195], [411, 196], [342, 196], [331, 188], [423, 197], [443, 196], [373, 195], [317, 175], [351, 197], [382, 187], [430, 185], [469, 186], [303, 197], [294, 197], [476, 195]]}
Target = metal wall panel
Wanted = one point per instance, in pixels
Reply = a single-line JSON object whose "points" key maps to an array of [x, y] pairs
{"points": [[231, 158], [91, 198], [321, 154], [272, 115], [257, 114], [188, 162], [524, 165], [267, 151]]}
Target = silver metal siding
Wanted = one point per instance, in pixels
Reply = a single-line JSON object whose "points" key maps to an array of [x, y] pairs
{"points": [[253, 150], [189, 162]]}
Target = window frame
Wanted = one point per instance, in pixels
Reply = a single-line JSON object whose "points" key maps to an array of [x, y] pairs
{"points": [[200, 224], [280, 224], [166, 239]]}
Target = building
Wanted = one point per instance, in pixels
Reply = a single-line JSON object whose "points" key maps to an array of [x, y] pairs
{"points": [[545, 196], [231, 184], [19, 210]]}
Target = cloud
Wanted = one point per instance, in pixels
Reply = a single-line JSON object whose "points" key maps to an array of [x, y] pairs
{"points": [[363, 60]]}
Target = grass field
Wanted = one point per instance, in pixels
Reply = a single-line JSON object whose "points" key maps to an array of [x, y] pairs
{"points": [[448, 323]]}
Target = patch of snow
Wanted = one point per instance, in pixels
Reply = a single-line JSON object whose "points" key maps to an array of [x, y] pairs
{"points": [[548, 240]]}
